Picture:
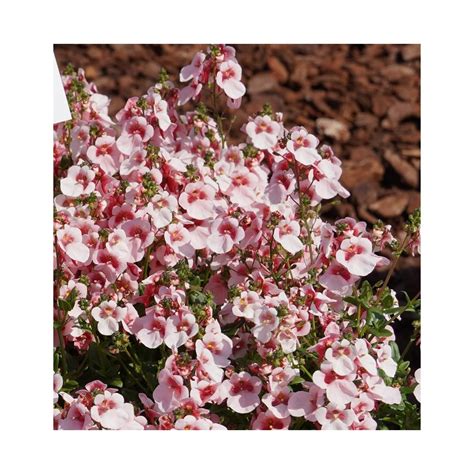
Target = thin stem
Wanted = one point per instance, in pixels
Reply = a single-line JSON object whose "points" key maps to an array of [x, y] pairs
{"points": [[392, 267], [134, 358], [63, 351], [217, 115], [61, 319], [77, 373], [399, 313], [410, 343], [131, 375], [122, 363], [296, 171], [306, 371], [146, 261]]}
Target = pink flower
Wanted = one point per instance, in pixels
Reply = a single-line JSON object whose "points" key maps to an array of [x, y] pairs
{"points": [[280, 377], [189, 92], [70, 241], [326, 175], [105, 154], [136, 127], [306, 403], [130, 318], [179, 328], [169, 392], [109, 410], [57, 384], [108, 315], [362, 404], [198, 200], [241, 187], [150, 329], [339, 390], [78, 418], [225, 233], [207, 366], [189, 422], [109, 264], [266, 320], [385, 361], [245, 305], [277, 402], [117, 244], [333, 417], [376, 389], [193, 70], [161, 208], [205, 391], [268, 421], [356, 255], [218, 344], [80, 139], [228, 78], [281, 185], [287, 234], [341, 355], [160, 109], [364, 422], [133, 422], [363, 358], [79, 181], [417, 391], [177, 236], [287, 339], [264, 132], [337, 278], [241, 391], [136, 162], [139, 235], [303, 146]]}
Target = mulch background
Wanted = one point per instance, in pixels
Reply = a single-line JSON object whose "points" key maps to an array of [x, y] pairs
{"points": [[364, 100]]}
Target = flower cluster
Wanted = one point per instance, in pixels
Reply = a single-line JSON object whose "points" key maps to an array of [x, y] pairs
{"points": [[198, 276]]}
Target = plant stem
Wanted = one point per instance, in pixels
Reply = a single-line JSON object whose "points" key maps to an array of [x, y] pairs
{"points": [[392, 267], [217, 115], [410, 343], [305, 370], [296, 171], [63, 351], [146, 261], [134, 358]]}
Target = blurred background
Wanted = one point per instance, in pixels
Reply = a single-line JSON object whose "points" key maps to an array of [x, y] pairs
{"points": [[364, 100]]}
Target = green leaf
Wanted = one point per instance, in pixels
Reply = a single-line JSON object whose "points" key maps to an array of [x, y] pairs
{"points": [[387, 301], [379, 332], [56, 362], [395, 351], [68, 303], [117, 382], [352, 300], [70, 385], [297, 380], [404, 367], [65, 305]]}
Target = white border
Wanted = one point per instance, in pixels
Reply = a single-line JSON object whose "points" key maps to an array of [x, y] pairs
{"points": [[447, 97]]}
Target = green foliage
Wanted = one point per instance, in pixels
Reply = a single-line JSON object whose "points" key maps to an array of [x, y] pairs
{"points": [[68, 303]]}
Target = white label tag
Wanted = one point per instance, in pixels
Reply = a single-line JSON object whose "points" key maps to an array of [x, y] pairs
{"points": [[61, 107]]}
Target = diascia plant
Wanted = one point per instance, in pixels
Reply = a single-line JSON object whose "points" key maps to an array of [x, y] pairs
{"points": [[197, 286]]}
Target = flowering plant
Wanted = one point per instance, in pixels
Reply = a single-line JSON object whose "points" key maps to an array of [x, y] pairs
{"points": [[197, 285]]}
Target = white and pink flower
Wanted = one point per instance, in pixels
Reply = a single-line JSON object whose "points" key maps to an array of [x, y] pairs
{"points": [[242, 391], [287, 234], [108, 315]]}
